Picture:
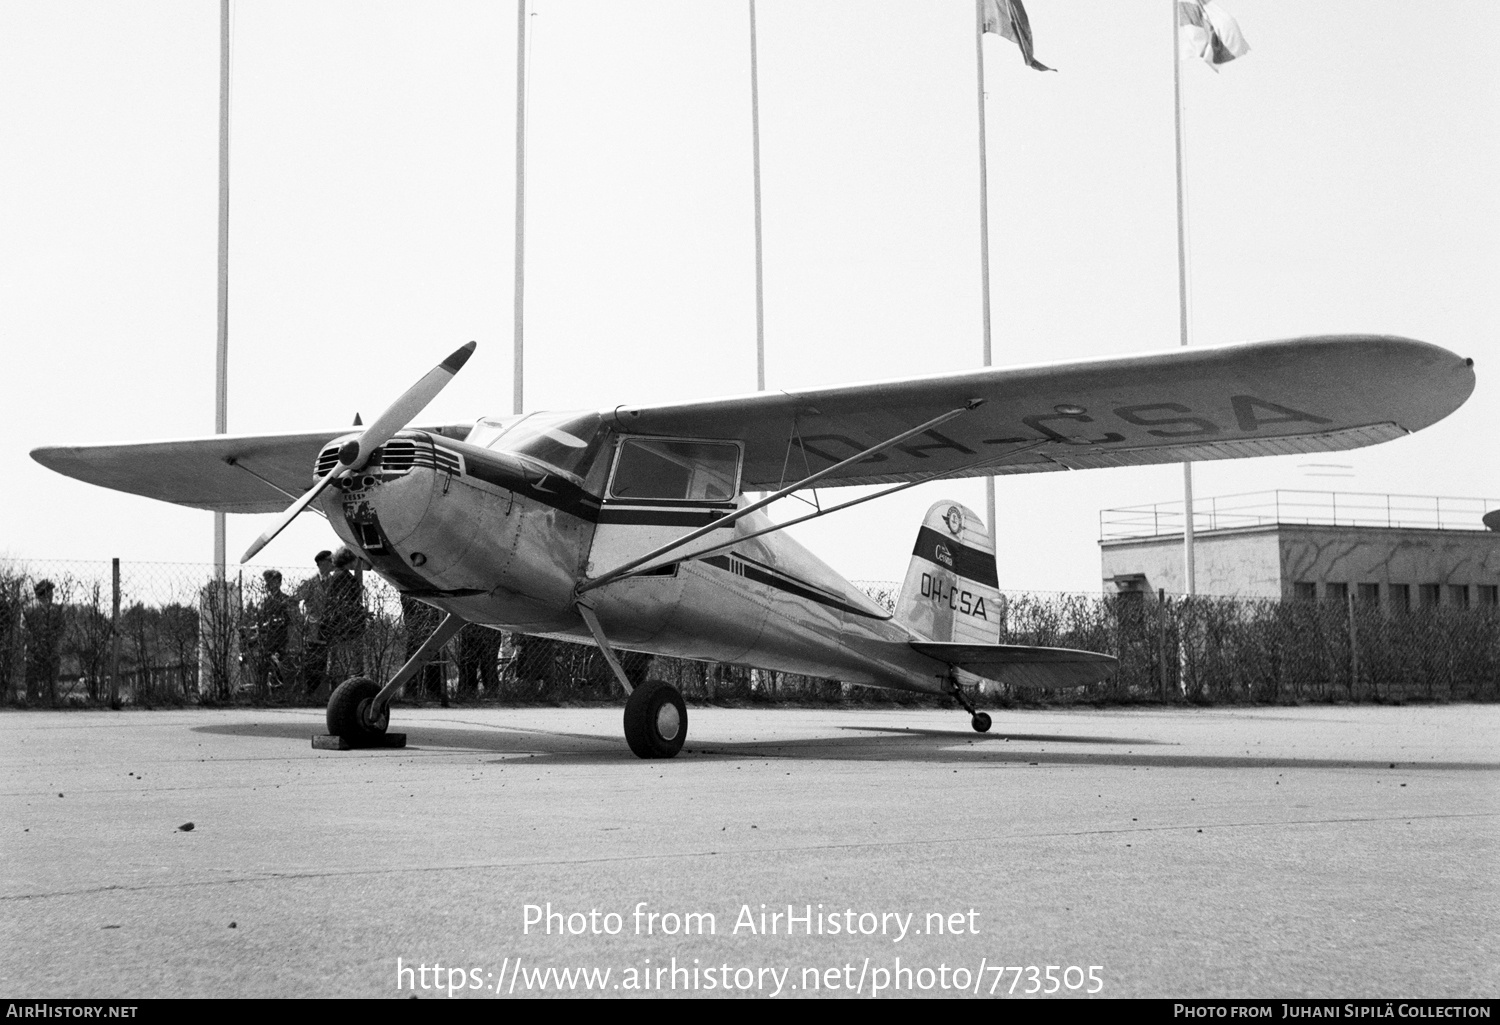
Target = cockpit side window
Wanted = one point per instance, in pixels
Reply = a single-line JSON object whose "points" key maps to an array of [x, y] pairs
{"points": [[658, 469]]}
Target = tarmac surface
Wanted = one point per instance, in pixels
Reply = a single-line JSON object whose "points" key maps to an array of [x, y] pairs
{"points": [[1266, 852]]}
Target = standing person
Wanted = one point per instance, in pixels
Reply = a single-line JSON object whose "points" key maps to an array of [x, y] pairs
{"points": [[312, 597], [272, 622], [478, 655], [43, 623], [420, 619], [344, 619]]}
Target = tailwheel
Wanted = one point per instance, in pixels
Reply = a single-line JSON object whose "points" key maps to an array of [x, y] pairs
{"points": [[655, 720], [977, 719], [350, 712]]}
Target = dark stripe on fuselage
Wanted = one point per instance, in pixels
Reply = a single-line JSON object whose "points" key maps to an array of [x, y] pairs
{"points": [[667, 517], [551, 490], [761, 574], [969, 563]]}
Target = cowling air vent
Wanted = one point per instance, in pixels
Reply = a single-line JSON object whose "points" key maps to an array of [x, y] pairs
{"points": [[398, 456], [327, 460]]}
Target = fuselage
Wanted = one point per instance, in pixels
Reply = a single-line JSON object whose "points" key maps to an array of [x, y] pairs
{"points": [[499, 535]]}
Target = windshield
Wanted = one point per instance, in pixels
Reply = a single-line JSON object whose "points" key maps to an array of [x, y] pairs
{"points": [[563, 441]]}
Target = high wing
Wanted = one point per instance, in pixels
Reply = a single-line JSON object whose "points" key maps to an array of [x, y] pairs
{"points": [[1263, 398], [225, 473], [1259, 399]]}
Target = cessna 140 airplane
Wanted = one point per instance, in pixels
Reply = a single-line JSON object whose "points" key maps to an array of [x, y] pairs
{"points": [[631, 526]]}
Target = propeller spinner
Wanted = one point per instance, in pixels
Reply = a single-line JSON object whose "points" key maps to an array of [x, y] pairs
{"points": [[357, 451]]}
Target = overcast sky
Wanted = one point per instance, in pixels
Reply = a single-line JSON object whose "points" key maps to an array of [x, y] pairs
{"points": [[1341, 177]]}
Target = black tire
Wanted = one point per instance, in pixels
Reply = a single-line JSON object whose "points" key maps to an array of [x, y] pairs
{"points": [[349, 711], [656, 720], [980, 722]]}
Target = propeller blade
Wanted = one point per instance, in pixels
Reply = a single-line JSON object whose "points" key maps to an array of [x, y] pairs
{"points": [[354, 453], [290, 514], [404, 410]]}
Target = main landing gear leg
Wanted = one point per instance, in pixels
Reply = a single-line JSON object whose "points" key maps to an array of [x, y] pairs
{"points": [[655, 714], [979, 720], [359, 711]]}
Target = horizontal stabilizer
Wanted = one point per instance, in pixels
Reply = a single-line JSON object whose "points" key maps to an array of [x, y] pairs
{"points": [[1023, 665]]}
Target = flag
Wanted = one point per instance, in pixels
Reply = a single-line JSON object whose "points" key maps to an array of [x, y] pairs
{"points": [[1007, 19], [1205, 30]]}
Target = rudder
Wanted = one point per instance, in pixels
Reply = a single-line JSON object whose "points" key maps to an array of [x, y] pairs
{"points": [[951, 591]]}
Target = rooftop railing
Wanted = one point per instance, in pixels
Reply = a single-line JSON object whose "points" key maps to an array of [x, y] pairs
{"points": [[1326, 508]]}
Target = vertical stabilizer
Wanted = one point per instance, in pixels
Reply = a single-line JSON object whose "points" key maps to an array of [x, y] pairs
{"points": [[951, 588]]}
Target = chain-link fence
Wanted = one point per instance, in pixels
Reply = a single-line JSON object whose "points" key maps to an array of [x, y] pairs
{"points": [[151, 634]]}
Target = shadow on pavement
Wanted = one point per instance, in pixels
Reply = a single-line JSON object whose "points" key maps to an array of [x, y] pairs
{"points": [[857, 743]]}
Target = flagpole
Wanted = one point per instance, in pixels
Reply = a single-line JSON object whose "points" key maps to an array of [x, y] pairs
{"points": [[1189, 570], [221, 349], [518, 335], [760, 306], [984, 236]]}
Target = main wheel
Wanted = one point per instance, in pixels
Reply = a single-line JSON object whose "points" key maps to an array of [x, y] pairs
{"points": [[655, 720], [349, 712], [980, 722]]}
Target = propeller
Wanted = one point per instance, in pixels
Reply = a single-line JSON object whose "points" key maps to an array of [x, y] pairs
{"points": [[355, 452]]}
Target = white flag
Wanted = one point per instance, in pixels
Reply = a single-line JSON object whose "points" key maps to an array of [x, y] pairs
{"points": [[1208, 32]]}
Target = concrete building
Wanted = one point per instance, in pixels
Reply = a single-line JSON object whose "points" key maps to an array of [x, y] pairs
{"points": [[1399, 550]]}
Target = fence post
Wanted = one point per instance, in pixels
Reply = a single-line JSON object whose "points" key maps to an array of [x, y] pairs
{"points": [[1353, 649], [114, 635]]}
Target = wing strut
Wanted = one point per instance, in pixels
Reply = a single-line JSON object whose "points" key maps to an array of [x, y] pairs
{"points": [[739, 514], [706, 552], [450, 625], [603, 642], [270, 484]]}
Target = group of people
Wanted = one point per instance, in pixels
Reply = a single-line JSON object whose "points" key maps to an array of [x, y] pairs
{"points": [[332, 605], [334, 619]]}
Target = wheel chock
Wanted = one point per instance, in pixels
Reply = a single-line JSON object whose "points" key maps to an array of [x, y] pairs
{"points": [[332, 742]]}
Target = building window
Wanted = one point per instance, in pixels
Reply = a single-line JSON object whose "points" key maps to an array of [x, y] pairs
{"points": [[1337, 592], [1369, 594], [1458, 594], [1401, 597], [1428, 594], [1489, 594], [1305, 590]]}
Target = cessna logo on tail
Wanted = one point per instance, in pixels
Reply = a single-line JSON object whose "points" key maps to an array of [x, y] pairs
{"points": [[954, 518], [941, 554]]}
